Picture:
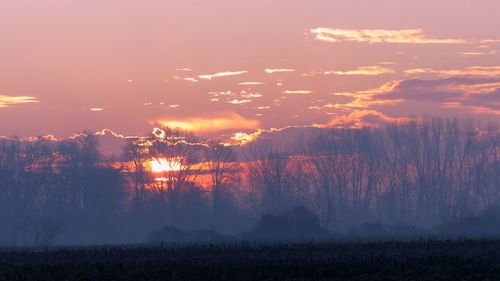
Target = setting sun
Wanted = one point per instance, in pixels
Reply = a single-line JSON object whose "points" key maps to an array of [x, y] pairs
{"points": [[162, 165]]}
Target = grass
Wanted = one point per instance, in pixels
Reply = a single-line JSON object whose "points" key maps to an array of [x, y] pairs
{"points": [[416, 260]]}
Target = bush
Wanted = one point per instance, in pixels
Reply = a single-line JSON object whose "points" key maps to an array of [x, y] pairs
{"points": [[297, 225]]}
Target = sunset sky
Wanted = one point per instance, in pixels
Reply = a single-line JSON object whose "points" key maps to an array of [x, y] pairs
{"points": [[227, 66]]}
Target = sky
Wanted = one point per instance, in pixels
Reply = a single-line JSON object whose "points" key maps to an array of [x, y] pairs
{"points": [[231, 68]]}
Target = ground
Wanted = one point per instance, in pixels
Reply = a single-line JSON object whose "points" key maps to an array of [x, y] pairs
{"points": [[417, 260]]}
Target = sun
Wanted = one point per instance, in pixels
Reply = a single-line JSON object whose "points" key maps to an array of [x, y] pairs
{"points": [[162, 165]]}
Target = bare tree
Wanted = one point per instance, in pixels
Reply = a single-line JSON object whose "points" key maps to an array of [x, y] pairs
{"points": [[135, 157], [223, 169], [278, 178]]}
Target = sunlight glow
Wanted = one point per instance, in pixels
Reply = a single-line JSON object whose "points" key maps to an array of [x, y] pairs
{"points": [[163, 165], [7, 101]]}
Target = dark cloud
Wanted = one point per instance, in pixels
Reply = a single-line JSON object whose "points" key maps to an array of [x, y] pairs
{"points": [[462, 92]]}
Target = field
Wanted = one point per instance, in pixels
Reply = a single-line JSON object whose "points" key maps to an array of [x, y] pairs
{"points": [[419, 260]]}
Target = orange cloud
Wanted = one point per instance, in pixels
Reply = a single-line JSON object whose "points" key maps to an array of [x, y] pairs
{"points": [[249, 95], [278, 70], [250, 83], [220, 122], [403, 36], [488, 41], [368, 98], [475, 95], [469, 54], [486, 71], [7, 101], [297, 92], [263, 107], [191, 79], [363, 118], [109, 132], [222, 74], [475, 109], [237, 101], [241, 97], [321, 107], [242, 138], [363, 70]]}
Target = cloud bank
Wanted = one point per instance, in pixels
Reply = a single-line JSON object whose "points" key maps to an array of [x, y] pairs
{"points": [[371, 36], [216, 123]]}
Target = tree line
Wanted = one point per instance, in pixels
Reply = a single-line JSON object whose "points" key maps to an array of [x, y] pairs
{"points": [[424, 172]]}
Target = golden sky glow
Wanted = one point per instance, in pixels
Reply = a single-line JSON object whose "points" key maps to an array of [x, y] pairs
{"points": [[223, 122], [468, 71], [237, 68], [164, 165], [371, 36], [6, 101]]}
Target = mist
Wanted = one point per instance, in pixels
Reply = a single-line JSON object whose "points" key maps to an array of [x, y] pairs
{"points": [[431, 177]]}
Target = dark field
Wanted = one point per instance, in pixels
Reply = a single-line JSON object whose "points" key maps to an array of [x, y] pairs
{"points": [[431, 260]]}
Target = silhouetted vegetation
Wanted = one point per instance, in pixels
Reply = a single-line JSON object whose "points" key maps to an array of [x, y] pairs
{"points": [[440, 175], [417, 260], [300, 224]]}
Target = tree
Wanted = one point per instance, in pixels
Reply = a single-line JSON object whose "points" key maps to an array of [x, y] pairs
{"points": [[223, 170], [278, 178]]}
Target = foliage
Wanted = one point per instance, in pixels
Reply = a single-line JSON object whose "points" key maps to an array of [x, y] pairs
{"points": [[425, 172], [298, 224]]}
